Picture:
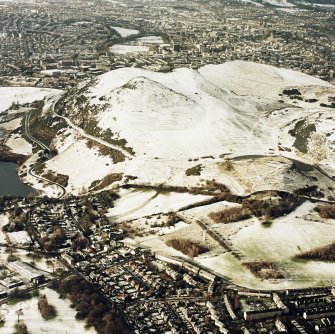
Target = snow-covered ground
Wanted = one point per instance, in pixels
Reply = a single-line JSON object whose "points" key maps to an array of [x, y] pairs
{"points": [[19, 238], [64, 323], [247, 78], [38, 262], [297, 232], [83, 165], [282, 3], [286, 237], [194, 118], [291, 234], [227, 265], [175, 121], [201, 213], [136, 204], [197, 114], [19, 145], [125, 32], [321, 144], [324, 5], [12, 125], [159, 246], [9, 95]]}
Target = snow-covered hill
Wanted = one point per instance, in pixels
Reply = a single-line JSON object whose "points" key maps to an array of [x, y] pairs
{"points": [[192, 113], [169, 120], [176, 114], [252, 79]]}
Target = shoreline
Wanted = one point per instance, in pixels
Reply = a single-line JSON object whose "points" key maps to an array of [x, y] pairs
{"points": [[6, 155]]}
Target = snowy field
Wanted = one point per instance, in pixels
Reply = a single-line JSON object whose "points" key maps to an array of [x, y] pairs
{"points": [[287, 236], [292, 234], [83, 165], [201, 213], [22, 95], [12, 125], [19, 145], [245, 78], [327, 6], [140, 45], [19, 238], [136, 204], [125, 32], [194, 106], [64, 323], [282, 3]]}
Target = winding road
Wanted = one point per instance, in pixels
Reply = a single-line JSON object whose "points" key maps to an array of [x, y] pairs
{"points": [[28, 134], [43, 147], [86, 135]]}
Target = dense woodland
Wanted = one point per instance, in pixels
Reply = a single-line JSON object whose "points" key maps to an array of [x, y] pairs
{"points": [[325, 253], [47, 310], [187, 247], [326, 211], [264, 269], [231, 215], [92, 306], [281, 205]]}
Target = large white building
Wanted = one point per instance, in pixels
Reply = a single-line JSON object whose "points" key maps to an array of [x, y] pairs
{"points": [[26, 271]]}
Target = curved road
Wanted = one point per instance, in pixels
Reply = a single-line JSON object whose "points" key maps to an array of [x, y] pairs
{"points": [[44, 147], [26, 128], [84, 134]]}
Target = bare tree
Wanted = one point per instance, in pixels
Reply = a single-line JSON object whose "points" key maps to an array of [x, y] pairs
{"points": [[19, 313]]}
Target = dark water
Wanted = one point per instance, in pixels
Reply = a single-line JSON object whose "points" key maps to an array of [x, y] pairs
{"points": [[10, 183]]}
